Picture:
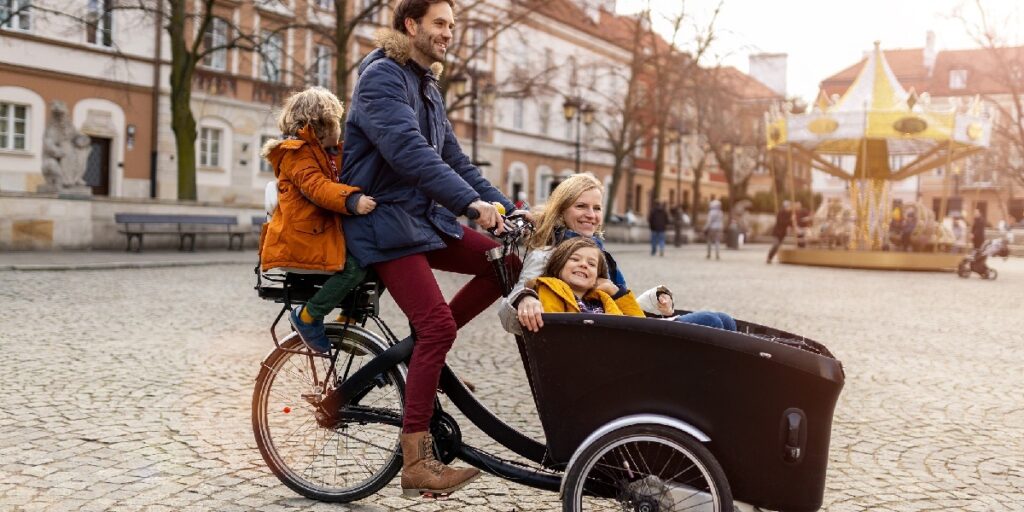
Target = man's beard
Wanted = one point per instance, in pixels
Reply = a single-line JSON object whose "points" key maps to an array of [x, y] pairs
{"points": [[425, 44]]}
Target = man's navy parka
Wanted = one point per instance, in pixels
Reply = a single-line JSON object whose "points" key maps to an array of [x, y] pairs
{"points": [[400, 148]]}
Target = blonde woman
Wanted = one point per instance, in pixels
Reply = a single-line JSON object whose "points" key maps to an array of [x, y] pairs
{"points": [[575, 208]]}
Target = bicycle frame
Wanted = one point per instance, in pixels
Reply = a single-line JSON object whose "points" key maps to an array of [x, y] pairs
{"points": [[399, 353]]}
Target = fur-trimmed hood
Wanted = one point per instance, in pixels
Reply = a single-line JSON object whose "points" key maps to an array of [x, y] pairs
{"points": [[395, 45]]}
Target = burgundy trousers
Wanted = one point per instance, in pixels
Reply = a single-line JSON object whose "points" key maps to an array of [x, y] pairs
{"points": [[412, 285]]}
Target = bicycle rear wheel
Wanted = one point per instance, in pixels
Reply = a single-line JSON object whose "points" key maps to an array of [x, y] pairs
{"points": [[348, 462]]}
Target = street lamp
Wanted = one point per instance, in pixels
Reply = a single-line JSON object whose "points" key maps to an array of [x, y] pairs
{"points": [[576, 108], [485, 97]]}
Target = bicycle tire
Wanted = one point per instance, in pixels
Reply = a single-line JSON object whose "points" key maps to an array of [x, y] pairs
{"points": [[279, 410], [616, 471]]}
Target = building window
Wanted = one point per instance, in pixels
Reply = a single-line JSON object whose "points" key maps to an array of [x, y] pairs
{"points": [[209, 147], [958, 79], [327, 5], [13, 126], [272, 50], [478, 36], [16, 14], [545, 118], [216, 37], [518, 107], [322, 66], [264, 163], [99, 22]]}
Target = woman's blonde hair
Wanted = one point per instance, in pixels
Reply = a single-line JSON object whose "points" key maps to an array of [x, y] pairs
{"points": [[550, 216], [314, 106]]}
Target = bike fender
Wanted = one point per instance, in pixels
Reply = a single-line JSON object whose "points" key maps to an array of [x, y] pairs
{"points": [[636, 419]]}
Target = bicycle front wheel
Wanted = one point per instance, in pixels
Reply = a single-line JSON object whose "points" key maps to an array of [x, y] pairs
{"points": [[345, 463], [648, 468]]}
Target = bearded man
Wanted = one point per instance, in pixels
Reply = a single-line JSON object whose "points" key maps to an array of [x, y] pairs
{"points": [[400, 148]]}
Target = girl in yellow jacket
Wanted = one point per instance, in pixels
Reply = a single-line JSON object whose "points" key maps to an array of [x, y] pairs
{"points": [[304, 234], [569, 283]]}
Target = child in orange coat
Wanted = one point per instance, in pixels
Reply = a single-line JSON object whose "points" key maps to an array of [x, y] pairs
{"points": [[305, 234], [569, 283]]}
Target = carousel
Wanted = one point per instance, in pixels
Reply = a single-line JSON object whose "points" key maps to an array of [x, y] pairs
{"points": [[888, 134]]}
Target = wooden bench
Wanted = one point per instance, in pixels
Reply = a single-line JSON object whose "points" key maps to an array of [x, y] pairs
{"points": [[186, 227]]}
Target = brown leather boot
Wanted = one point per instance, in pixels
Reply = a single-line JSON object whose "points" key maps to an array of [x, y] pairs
{"points": [[423, 475]]}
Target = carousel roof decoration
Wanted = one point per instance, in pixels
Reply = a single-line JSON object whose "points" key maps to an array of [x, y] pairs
{"points": [[877, 118]]}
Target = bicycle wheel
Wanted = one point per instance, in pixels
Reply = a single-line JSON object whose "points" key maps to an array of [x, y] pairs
{"points": [[963, 269], [992, 274], [348, 462], [649, 468]]}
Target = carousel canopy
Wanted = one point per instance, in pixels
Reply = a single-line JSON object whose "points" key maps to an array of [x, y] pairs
{"points": [[877, 118]]}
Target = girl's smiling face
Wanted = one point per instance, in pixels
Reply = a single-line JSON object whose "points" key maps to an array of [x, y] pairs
{"points": [[584, 214], [580, 272]]}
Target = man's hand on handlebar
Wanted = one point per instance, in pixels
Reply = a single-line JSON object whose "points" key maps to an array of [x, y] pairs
{"points": [[529, 313], [488, 216]]}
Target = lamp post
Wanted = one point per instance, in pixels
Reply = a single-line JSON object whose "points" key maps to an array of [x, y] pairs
{"points": [[576, 108], [485, 96]]}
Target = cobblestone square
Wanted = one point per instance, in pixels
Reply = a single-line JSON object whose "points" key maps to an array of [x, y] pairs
{"points": [[129, 389]]}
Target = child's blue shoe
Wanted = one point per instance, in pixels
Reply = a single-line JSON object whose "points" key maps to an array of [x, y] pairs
{"points": [[313, 335]]}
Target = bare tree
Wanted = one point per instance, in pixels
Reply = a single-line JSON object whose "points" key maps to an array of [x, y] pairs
{"points": [[15, 13], [482, 23], [728, 128], [621, 124], [1005, 68], [669, 69]]}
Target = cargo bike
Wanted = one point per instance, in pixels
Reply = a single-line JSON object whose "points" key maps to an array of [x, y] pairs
{"points": [[638, 414]]}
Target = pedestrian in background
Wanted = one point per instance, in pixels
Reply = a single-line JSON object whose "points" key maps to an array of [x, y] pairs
{"points": [[783, 221], [978, 230], [713, 226], [658, 222]]}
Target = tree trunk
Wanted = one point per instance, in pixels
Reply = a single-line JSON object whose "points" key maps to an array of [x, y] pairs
{"points": [[659, 161], [613, 187], [184, 127], [342, 32], [182, 122], [698, 174]]}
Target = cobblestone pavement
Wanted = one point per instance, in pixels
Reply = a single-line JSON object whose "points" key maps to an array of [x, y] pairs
{"points": [[130, 389]]}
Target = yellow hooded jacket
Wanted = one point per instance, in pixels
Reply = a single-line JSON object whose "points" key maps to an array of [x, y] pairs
{"points": [[556, 297]]}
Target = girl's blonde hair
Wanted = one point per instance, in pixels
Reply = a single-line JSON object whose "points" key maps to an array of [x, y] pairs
{"points": [[563, 197], [315, 106]]}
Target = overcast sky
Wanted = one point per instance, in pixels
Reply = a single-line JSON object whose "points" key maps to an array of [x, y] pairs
{"points": [[823, 37]]}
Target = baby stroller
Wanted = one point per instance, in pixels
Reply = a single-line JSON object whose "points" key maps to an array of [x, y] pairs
{"points": [[977, 260]]}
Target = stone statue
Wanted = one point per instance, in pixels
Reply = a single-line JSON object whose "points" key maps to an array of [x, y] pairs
{"points": [[65, 154]]}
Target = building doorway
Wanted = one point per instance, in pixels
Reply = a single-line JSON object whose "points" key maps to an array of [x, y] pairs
{"points": [[97, 168]]}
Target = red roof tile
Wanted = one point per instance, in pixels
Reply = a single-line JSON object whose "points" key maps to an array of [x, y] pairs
{"points": [[908, 66], [745, 86]]}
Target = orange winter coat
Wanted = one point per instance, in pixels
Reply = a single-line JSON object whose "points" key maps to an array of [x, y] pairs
{"points": [[305, 230]]}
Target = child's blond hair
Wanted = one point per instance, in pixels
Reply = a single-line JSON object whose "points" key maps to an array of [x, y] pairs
{"points": [[315, 106]]}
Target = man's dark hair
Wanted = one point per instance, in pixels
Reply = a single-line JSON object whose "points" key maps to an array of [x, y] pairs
{"points": [[414, 9]]}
